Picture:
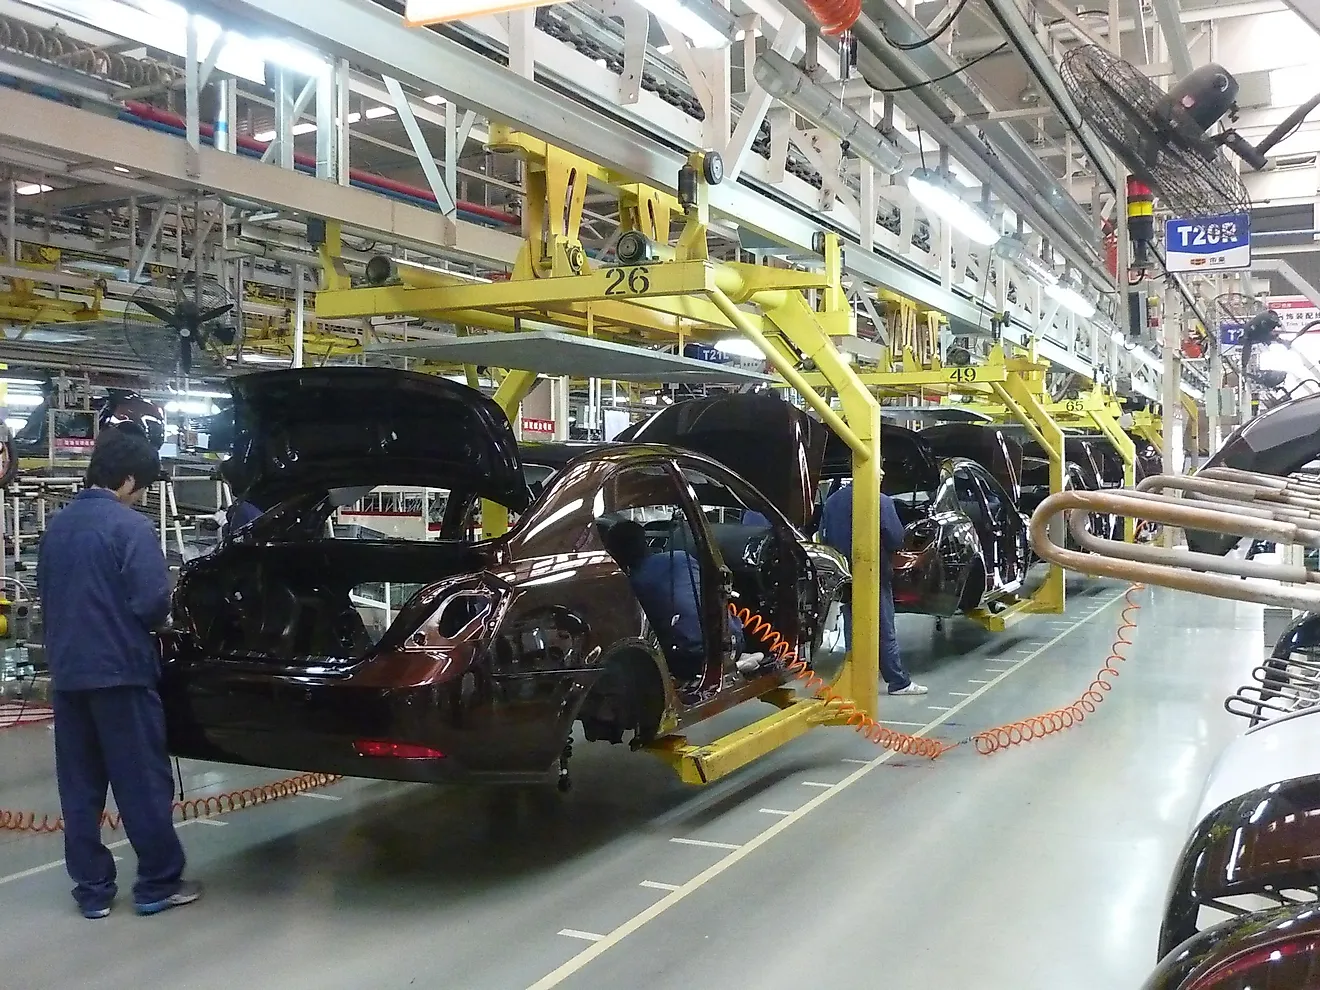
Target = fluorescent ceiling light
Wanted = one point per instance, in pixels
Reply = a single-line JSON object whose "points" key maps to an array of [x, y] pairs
{"points": [[31, 189], [374, 113], [704, 23], [1066, 293], [120, 168], [354, 117], [739, 347], [264, 137], [434, 100], [306, 127], [1014, 250], [200, 408], [933, 191], [418, 13], [293, 57], [20, 399], [665, 49], [29, 382], [198, 394], [15, 424]]}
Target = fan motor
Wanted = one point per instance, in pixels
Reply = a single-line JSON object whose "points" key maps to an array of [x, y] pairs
{"points": [[1204, 95]]}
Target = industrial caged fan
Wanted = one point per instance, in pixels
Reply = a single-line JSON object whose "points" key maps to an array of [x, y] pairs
{"points": [[1259, 327], [184, 326], [1163, 138]]}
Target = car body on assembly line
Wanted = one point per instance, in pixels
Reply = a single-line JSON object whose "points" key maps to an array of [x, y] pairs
{"points": [[1242, 909], [965, 543], [494, 648]]}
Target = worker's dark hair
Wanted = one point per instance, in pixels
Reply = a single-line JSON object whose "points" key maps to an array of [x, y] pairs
{"points": [[626, 542], [122, 454]]}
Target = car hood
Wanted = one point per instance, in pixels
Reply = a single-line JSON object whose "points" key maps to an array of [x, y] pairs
{"points": [[1279, 441], [998, 453], [775, 446], [308, 430], [909, 462]]}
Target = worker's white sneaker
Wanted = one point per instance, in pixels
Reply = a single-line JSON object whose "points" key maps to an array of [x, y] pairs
{"points": [[749, 664], [912, 688]]}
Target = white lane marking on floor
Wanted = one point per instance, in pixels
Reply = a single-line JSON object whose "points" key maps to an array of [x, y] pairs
{"points": [[997, 660], [60, 862], [961, 694], [705, 842], [213, 822], [892, 721], [586, 936], [815, 783], [972, 680], [940, 708], [633, 924], [322, 797], [774, 811], [657, 885], [850, 760]]}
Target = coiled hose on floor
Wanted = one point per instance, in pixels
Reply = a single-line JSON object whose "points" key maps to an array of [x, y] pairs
{"points": [[201, 807], [987, 741]]}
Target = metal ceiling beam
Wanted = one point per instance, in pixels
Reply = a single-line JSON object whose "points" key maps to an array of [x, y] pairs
{"points": [[1014, 172], [373, 37], [1015, 25], [1175, 38], [33, 123]]}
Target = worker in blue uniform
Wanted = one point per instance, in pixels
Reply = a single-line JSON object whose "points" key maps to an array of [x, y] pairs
{"points": [[668, 587], [104, 587], [836, 531], [239, 515]]}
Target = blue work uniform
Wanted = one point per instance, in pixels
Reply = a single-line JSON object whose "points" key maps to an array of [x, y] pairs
{"points": [[239, 515], [836, 531], [104, 587], [668, 586]]}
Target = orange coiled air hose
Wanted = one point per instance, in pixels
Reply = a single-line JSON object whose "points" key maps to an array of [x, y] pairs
{"points": [[202, 807], [835, 16], [1046, 724], [779, 648]]}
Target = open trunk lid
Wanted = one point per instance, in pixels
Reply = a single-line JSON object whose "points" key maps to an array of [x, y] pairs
{"points": [[999, 454], [309, 430], [909, 462], [775, 446]]}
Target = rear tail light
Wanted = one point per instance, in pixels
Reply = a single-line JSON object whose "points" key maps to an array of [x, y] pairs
{"points": [[396, 750]]}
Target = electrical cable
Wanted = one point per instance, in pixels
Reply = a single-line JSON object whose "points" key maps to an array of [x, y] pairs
{"points": [[201, 807], [948, 75], [1048, 723], [934, 32], [985, 742]]}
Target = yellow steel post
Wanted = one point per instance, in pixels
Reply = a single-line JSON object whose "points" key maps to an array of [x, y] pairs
{"points": [[334, 275], [513, 389], [1019, 397], [860, 678], [1127, 451]]}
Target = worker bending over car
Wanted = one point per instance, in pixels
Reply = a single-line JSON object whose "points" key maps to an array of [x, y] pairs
{"points": [[668, 586]]}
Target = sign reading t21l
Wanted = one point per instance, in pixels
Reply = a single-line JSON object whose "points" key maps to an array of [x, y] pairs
{"points": [[1208, 244]]}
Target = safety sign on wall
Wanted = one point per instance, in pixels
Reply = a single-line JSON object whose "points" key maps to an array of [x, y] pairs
{"points": [[1208, 244]]}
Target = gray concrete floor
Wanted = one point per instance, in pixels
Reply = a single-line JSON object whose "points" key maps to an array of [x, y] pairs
{"points": [[825, 864]]}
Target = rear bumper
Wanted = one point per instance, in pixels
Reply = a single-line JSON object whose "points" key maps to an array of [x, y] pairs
{"points": [[311, 724]]}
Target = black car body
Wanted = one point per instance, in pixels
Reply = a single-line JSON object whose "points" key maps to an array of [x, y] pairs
{"points": [[965, 543], [497, 647]]}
